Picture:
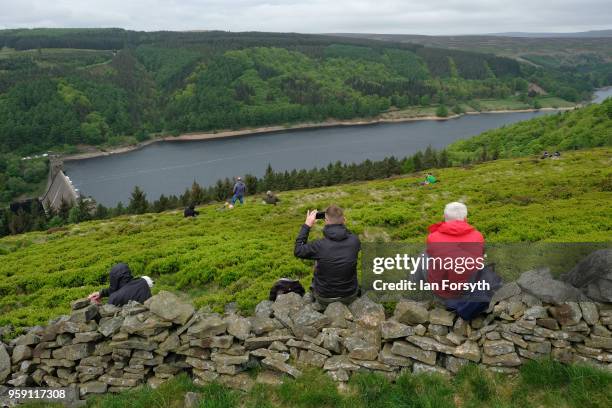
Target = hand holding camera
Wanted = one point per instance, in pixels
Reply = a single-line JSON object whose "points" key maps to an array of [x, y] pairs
{"points": [[313, 216]]}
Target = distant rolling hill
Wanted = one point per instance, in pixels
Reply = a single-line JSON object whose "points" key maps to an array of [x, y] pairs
{"points": [[582, 34], [585, 52]]}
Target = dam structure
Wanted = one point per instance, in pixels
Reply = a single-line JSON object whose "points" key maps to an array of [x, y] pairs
{"points": [[59, 188]]}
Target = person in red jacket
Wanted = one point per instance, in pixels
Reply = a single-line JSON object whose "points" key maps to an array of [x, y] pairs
{"points": [[453, 249]]}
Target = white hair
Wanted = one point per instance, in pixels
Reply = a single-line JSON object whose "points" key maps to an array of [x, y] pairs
{"points": [[149, 281], [455, 211]]}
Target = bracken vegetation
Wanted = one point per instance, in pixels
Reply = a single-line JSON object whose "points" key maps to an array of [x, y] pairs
{"points": [[235, 255]]}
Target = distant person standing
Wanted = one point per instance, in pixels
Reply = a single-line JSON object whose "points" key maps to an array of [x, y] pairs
{"points": [[239, 191]]}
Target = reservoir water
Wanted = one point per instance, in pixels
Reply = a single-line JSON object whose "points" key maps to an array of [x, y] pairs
{"points": [[171, 167], [602, 94]]}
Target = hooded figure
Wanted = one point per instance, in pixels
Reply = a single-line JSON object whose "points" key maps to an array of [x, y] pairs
{"points": [[123, 287], [190, 211], [335, 274]]}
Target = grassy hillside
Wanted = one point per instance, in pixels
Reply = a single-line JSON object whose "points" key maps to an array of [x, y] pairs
{"points": [[590, 126], [225, 256], [539, 385]]}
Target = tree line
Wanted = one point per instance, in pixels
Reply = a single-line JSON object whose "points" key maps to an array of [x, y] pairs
{"points": [[33, 217]]}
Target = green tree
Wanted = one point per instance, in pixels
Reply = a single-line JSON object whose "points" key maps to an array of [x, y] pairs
{"points": [[442, 111], [251, 183], [64, 210], [138, 202], [101, 212], [197, 194], [536, 104]]}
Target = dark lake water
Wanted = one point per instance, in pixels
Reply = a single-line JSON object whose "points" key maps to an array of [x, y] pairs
{"points": [[602, 94], [170, 167]]}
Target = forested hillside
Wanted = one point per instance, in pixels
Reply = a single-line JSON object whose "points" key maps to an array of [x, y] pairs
{"points": [[590, 126], [62, 88], [235, 255], [587, 59], [65, 87]]}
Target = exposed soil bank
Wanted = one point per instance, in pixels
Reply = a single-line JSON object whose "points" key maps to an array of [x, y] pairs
{"points": [[280, 128]]}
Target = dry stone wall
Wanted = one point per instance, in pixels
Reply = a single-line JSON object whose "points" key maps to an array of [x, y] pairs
{"points": [[109, 349]]}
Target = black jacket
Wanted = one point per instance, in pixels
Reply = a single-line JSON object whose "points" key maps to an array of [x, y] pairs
{"points": [[190, 212], [335, 272], [123, 287]]}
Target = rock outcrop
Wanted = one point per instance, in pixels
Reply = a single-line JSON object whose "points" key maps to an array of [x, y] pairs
{"points": [[593, 275], [110, 349]]}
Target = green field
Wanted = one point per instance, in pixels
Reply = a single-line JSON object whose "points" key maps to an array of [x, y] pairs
{"points": [[225, 256], [484, 105], [538, 385]]}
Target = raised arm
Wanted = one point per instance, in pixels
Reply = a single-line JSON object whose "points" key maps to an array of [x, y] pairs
{"points": [[302, 248]]}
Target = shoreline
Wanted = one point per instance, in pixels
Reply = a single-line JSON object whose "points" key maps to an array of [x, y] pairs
{"points": [[198, 136]]}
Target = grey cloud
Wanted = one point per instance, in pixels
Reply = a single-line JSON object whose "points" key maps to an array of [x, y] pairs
{"points": [[381, 16]]}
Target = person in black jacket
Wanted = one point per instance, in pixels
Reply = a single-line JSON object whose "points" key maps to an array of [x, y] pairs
{"points": [[190, 211], [123, 287], [335, 272]]}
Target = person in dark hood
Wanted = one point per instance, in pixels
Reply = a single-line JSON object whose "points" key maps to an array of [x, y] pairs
{"points": [[190, 211], [123, 287], [335, 272]]}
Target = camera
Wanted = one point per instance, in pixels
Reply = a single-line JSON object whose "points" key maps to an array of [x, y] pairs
{"points": [[320, 215]]}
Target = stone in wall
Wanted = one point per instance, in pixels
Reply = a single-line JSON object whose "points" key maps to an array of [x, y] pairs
{"points": [[100, 349]]}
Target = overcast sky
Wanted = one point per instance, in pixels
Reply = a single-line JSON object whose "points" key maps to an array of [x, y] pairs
{"points": [[318, 16]]}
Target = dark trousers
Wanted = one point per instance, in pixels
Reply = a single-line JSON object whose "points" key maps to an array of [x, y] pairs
{"points": [[239, 198], [325, 301]]}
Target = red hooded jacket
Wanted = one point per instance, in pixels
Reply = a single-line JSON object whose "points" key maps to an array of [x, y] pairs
{"points": [[455, 240]]}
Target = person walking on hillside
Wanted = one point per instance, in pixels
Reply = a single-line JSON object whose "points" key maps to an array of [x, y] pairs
{"points": [[335, 271], [123, 287], [239, 191]]}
